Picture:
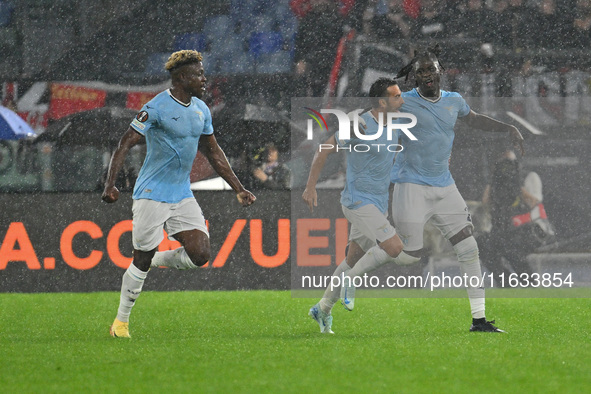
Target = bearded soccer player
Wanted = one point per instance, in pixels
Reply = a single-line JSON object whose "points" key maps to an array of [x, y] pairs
{"points": [[424, 188], [372, 239], [174, 124]]}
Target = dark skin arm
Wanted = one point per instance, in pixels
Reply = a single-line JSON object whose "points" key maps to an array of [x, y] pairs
{"points": [[208, 145], [487, 123], [310, 196], [128, 141]]}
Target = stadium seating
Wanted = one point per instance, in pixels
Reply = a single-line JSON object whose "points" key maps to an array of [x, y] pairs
{"points": [[237, 63], [225, 49], [211, 63], [196, 41], [265, 42], [216, 27], [259, 23], [274, 63], [155, 64], [8, 40], [6, 10], [233, 43]]}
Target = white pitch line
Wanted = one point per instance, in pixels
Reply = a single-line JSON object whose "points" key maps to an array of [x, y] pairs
{"points": [[533, 129]]}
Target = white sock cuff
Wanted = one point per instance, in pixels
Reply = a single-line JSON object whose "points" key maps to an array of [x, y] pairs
{"points": [[380, 254], [467, 250], [406, 259], [332, 292], [136, 273], [478, 309], [176, 258], [344, 266], [186, 259], [374, 258]]}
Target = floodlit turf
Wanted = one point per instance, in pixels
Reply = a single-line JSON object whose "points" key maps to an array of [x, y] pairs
{"points": [[263, 341]]}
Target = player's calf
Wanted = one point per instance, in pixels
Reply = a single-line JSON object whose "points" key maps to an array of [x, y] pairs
{"points": [[199, 257], [392, 246]]}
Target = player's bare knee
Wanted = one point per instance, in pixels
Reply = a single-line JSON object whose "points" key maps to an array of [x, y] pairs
{"points": [[463, 234], [143, 259], [199, 257], [354, 253], [394, 250], [392, 246]]}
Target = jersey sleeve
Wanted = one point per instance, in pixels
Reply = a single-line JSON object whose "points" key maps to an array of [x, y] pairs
{"points": [[342, 143], [353, 140], [345, 143], [207, 123], [145, 119], [464, 108]]}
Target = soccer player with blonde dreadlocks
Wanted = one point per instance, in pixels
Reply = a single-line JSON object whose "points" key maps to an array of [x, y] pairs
{"points": [[174, 124]]}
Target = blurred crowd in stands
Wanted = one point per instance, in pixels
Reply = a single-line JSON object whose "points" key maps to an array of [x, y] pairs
{"points": [[511, 24], [269, 37]]}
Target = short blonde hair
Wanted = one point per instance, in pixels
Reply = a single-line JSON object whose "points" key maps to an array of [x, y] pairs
{"points": [[180, 58]]}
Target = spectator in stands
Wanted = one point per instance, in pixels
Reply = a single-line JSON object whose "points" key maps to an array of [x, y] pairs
{"points": [[520, 17], [498, 25], [432, 22], [468, 21], [350, 10], [8, 95], [354, 19], [388, 21], [506, 197], [548, 27], [580, 33], [317, 39], [270, 173], [301, 8]]}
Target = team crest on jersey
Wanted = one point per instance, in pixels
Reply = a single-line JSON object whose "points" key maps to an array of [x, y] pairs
{"points": [[142, 116], [200, 114]]}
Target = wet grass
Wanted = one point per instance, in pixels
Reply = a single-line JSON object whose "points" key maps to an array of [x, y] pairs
{"points": [[263, 341]]}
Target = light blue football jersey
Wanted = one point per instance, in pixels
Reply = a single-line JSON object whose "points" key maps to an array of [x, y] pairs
{"points": [[426, 161], [368, 172], [172, 130]]}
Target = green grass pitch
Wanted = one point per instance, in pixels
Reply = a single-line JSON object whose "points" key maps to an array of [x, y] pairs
{"points": [[263, 341]]}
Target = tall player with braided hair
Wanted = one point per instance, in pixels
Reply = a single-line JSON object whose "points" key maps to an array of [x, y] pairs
{"points": [[174, 124], [424, 188]]}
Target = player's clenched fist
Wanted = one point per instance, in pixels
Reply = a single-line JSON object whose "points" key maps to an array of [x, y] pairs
{"points": [[311, 198], [245, 198], [110, 194]]}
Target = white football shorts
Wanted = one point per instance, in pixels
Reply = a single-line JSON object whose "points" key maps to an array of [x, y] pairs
{"points": [[413, 205], [368, 225], [151, 217]]}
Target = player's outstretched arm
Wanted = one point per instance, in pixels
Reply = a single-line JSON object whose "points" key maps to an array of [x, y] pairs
{"points": [[129, 139], [208, 145], [487, 123], [309, 195]]}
